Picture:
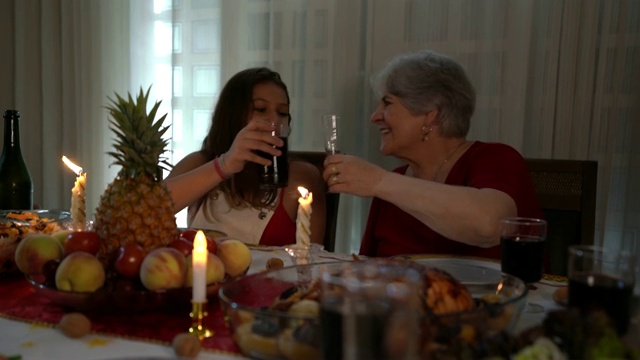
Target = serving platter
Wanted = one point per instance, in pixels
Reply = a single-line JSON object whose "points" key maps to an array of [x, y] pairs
{"points": [[17, 224], [471, 271], [444, 260], [120, 298]]}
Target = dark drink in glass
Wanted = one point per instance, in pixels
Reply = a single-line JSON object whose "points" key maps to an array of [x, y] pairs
{"points": [[591, 292], [522, 257], [369, 330], [276, 175]]}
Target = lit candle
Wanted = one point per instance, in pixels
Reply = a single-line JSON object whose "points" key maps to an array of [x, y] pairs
{"points": [[303, 218], [199, 263], [78, 194]]}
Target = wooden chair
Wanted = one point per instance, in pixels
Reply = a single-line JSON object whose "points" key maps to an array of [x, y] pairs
{"points": [[332, 199], [566, 192]]}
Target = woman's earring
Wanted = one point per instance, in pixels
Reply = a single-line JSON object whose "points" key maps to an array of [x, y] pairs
{"points": [[425, 132]]}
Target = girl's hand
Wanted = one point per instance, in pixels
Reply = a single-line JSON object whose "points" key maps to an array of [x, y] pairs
{"points": [[256, 136]]}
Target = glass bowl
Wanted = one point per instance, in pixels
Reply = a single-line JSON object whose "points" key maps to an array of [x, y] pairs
{"points": [[268, 334], [16, 224]]}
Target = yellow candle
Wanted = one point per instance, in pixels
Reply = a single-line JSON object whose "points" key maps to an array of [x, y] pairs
{"points": [[78, 194], [199, 263], [303, 218]]}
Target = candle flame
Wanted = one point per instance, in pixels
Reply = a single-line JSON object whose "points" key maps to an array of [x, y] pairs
{"points": [[200, 242], [303, 192], [75, 168]]}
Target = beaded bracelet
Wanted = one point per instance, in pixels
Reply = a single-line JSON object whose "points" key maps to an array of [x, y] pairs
{"points": [[216, 165]]}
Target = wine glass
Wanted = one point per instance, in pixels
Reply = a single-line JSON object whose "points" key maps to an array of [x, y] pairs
{"points": [[522, 251]]}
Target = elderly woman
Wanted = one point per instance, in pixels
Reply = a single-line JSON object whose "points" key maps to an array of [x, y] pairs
{"points": [[451, 192]]}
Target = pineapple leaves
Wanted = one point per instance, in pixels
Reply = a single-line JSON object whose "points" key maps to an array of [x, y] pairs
{"points": [[139, 136]]}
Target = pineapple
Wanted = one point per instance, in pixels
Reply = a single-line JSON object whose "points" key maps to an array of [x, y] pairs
{"points": [[137, 206]]}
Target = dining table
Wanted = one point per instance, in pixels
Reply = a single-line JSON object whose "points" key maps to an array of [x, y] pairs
{"points": [[28, 322]]}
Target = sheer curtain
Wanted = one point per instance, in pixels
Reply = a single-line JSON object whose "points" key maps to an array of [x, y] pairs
{"points": [[555, 79]]}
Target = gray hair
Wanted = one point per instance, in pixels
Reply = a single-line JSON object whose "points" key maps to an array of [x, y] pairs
{"points": [[425, 80]]}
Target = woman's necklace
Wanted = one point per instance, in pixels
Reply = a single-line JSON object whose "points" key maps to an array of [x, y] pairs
{"points": [[435, 176]]}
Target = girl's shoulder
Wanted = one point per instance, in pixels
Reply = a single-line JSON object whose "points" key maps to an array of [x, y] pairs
{"points": [[188, 163]]}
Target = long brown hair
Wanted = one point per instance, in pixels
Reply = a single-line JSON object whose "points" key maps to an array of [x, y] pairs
{"points": [[229, 117]]}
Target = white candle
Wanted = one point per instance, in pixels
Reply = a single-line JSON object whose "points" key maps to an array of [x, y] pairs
{"points": [[78, 194], [303, 218], [199, 263]]}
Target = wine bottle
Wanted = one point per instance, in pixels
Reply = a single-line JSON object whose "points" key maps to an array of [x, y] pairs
{"points": [[16, 186]]}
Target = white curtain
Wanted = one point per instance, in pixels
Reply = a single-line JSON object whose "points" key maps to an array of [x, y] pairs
{"points": [[555, 79]]}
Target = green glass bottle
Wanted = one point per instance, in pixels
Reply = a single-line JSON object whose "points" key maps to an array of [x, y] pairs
{"points": [[16, 186]]}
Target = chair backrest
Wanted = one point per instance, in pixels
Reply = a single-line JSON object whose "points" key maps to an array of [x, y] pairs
{"points": [[566, 192], [332, 199]]}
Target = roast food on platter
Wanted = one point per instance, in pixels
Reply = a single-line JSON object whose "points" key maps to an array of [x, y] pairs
{"points": [[132, 252], [275, 314], [18, 224]]}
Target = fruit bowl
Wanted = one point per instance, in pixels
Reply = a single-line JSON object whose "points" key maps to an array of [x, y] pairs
{"points": [[264, 333], [16, 224], [119, 297]]}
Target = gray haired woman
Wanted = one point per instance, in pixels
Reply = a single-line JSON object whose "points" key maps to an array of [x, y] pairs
{"points": [[451, 192]]}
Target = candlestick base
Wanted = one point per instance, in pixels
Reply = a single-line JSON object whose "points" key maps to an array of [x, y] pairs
{"points": [[198, 313], [303, 255]]}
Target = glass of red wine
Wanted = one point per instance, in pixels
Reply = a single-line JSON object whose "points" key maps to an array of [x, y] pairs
{"points": [[368, 310], [602, 279], [522, 243]]}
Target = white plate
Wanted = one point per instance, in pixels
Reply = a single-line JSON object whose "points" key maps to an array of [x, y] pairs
{"points": [[469, 271]]}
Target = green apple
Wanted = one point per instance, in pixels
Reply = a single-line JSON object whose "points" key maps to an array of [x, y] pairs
{"points": [[35, 250], [215, 270], [61, 236], [80, 272], [163, 268], [235, 256]]}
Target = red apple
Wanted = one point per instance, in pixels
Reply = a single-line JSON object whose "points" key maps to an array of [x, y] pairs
{"points": [[87, 241], [189, 234], [182, 245], [212, 245], [129, 260]]}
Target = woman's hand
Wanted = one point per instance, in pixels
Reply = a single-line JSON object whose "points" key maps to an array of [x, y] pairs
{"points": [[352, 175], [257, 135]]}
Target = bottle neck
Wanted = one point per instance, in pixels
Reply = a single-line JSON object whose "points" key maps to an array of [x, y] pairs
{"points": [[11, 134]]}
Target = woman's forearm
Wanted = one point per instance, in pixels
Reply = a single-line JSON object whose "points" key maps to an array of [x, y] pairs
{"points": [[463, 214]]}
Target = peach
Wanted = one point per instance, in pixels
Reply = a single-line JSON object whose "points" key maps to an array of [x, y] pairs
{"points": [[35, 250], [215, 270], [163, 268], [80, 272], [235, 256]]}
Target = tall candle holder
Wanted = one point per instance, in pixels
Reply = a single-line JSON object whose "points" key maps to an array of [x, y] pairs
{"points": [[198, 313]]}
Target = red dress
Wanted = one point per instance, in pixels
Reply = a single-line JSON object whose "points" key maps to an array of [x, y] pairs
{"points": [[391, 231], [281, 229]]}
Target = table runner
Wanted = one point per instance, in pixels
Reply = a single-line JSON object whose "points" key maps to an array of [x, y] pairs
{"points": [[19, 301]]}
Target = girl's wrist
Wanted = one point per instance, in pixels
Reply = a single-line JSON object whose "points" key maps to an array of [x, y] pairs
{"points": [[218, 165]]}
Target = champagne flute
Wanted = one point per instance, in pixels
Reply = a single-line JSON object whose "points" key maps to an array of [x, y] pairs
{"points": [[522, 243], [330, 126]]}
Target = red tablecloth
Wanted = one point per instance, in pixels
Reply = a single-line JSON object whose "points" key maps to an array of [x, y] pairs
{"points": [[19, 300]]}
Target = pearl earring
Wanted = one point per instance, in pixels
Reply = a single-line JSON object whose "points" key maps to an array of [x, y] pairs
{"points": [[425, 132]]}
